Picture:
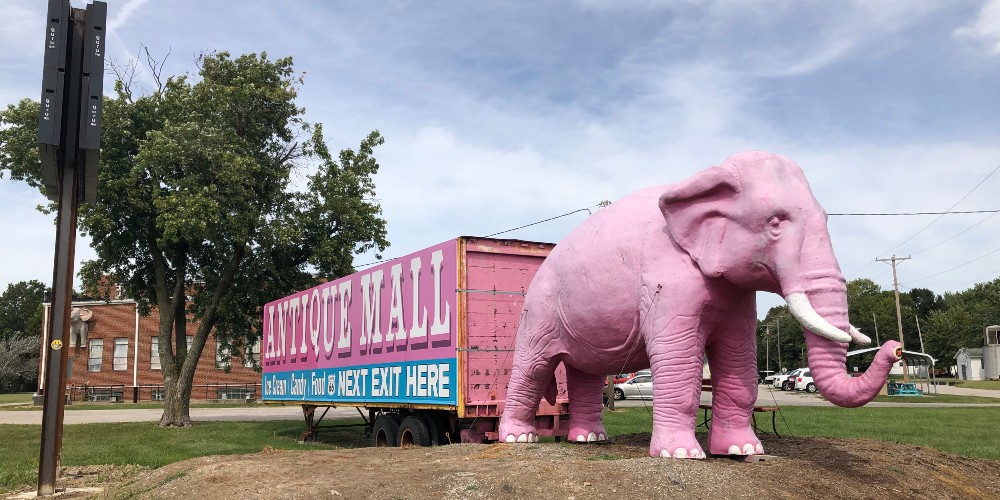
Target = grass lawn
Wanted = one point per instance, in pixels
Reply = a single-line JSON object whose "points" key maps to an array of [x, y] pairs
{"points": [[938, 398], [956, 430], [126, 406], [17, 397], [993, 385], [147, 445]]}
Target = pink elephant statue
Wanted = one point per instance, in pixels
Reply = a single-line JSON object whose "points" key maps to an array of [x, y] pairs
{"points": [[668, 275]]}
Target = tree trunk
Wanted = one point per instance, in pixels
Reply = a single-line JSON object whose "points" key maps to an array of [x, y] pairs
{"points": [[177, 402]]}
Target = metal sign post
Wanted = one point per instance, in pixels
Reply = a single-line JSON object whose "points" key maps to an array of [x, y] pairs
{"points": [[69, 148]]}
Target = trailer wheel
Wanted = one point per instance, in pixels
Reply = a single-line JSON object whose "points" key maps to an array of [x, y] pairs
{"points": [[385, 432], [435, 426], [413, 432]]}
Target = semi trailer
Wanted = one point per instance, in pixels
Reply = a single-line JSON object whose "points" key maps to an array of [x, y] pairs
{"points": [[421, 345]]}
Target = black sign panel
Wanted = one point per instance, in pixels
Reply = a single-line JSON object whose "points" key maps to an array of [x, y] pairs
{"points": [[57, 26], [91, 97]]}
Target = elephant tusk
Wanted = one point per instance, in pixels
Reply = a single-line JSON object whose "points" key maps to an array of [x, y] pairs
{"points": [[802, 310], [858, 337]]}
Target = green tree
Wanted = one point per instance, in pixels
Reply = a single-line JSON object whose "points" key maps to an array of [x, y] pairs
{"points": [[19, 363], [20, 334], [21, 310], [962, 320], [780, 342], [198, 212], [925, 302], [873, 311]]}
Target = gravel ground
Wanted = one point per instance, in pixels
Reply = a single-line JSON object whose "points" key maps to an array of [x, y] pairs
{"points": [[796, 468]]}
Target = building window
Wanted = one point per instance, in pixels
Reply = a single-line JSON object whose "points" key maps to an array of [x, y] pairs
{"points": [[243, 393], [190, 339], [121, 354], [96, 352], [154, 353], [222, 355], [253, 355]]}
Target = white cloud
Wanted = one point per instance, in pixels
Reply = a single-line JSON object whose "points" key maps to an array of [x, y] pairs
{"points": [[985, 28], [501, 117]]}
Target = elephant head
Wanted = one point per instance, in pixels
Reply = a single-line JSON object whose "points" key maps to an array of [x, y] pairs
{"points": [[753, 221]]}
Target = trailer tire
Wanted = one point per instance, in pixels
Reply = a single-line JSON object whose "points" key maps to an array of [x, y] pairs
{"points": [[435, 426], [413, 432], [385, 432]]}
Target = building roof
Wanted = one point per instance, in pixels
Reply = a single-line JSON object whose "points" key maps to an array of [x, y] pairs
{"points": [[972, 352], [912, 358]]}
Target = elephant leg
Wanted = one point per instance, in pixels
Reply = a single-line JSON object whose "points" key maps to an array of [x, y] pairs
{"points": [[675, 357], [732, 356], [536, 355], [585, 406]]}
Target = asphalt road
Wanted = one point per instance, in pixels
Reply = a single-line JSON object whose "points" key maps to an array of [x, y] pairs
{"points": [[765, 397]]}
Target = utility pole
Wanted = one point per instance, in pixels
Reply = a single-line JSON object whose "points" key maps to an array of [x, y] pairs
{"points": [[767, 350], [877, 342], [899, 317], [919, 335], [779, 347]]}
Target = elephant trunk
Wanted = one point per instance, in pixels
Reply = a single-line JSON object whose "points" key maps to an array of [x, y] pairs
{"points": [[827, 358]]}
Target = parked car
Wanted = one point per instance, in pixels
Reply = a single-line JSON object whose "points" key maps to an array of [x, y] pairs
{"points": [[639, 387], [765, 377], [804, 381], [621, 378], [785, 381]]}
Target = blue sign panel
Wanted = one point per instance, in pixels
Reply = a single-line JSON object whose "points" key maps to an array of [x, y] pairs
{"points": [[412, 382]]}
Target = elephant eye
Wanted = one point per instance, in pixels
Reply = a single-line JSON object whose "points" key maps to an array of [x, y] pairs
{"points": [[774, 224]]}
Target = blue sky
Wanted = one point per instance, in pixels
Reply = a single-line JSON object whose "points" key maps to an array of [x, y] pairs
{"points": [[499, 114]]}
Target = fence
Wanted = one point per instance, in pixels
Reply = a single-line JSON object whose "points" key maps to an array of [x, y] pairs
{"points": [[122, 393]]}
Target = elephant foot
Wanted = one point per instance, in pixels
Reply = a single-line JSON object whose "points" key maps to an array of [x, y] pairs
{"points": [[723, 441], [675, 445], [513, 431], [586, 432]]}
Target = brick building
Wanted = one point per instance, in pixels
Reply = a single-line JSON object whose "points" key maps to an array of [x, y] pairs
{"points": [[113, 356]]}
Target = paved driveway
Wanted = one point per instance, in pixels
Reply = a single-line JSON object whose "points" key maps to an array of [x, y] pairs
{"points": [[766, 396]]}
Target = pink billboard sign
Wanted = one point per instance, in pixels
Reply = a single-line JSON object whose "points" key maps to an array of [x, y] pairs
{"points": [[400, 311]]}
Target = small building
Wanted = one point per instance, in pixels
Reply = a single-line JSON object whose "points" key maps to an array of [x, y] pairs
{"points": [[991, 353], [114, 356], [970, 363]]}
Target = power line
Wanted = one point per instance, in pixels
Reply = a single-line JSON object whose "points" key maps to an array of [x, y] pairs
{"points": [[939, 216], [984, 219], [602, 204], [956, 267], [945, 212], [587, 209], [924, 213]]}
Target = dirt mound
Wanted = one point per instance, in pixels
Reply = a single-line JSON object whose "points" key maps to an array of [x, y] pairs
{"points": [[798, 468]]}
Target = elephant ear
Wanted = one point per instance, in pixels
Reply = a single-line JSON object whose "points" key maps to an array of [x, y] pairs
{"points": [[697, 213]]}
